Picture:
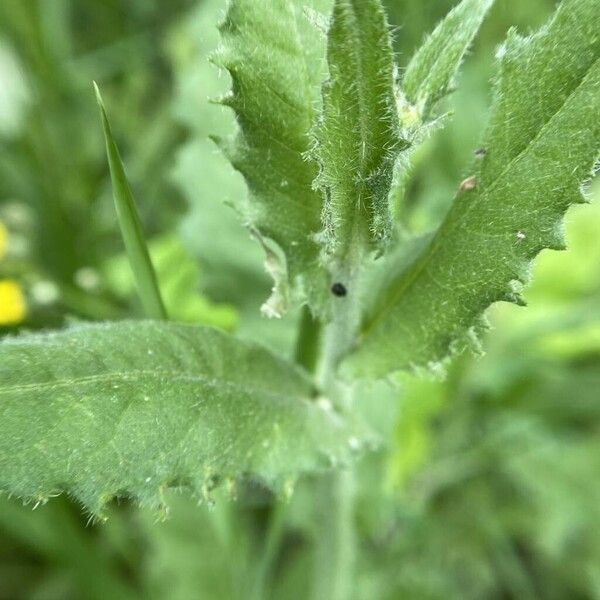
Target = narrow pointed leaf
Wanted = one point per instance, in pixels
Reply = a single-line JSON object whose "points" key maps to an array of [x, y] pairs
{"points": [[135, 407], [358, 137], [542, 142], [429, 77], [129, 222], [274, 55], [431, 72]]}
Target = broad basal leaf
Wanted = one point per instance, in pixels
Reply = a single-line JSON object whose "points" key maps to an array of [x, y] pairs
{"points": [[135, 407], [358, 137], [275, 56], [431, 72], [543, 139]]}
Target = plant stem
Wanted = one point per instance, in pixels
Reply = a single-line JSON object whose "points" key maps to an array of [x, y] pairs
{"points": [[309, 337], [319, 352], [334, 555], [270, 549]]}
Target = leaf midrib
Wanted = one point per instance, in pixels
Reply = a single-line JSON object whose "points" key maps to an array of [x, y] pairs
{"points": [[140, 375], [363, 118], [438, 239]]}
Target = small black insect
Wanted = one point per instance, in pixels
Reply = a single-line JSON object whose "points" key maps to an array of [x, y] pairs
{"points": [[480, 152], [339, 290]]}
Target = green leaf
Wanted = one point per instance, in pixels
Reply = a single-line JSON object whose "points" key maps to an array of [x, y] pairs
{"points": [[133, 408], [274, 55], [541, 145], [431, 72], [129, 222], [358, 137], [428, 78]]}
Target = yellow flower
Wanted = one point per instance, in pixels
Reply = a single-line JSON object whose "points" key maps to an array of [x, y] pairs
{"points": [[12, 302], [3, 240]]}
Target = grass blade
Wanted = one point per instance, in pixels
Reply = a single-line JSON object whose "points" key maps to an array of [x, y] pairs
{"points": [[131, 228]]}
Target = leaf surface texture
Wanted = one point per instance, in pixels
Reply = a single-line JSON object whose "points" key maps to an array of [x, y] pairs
{"points": [[358, 137], [133, 408], [541, 144], [275, 56]]}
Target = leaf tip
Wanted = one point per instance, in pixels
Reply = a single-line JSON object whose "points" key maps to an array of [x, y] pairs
{"points": [[98, 96]]}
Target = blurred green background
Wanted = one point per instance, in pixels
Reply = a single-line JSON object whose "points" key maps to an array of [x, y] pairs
{"points": [[490, 485]]}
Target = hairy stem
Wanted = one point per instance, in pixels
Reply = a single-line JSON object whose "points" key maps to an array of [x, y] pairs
{"points": [[334, 556], [319, 350]]}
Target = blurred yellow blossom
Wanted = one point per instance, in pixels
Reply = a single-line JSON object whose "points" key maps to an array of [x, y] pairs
{"points": [[12, 302], [3, 240]]}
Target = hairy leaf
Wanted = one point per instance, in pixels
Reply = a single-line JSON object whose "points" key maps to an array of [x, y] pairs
{"points": [[543, 139], [428, 78], [431, 72], [135, 407], [358, 137], [274, 55]]}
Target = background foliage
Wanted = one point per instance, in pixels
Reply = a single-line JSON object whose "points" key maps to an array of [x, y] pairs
{"points": [[490, 488]]}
